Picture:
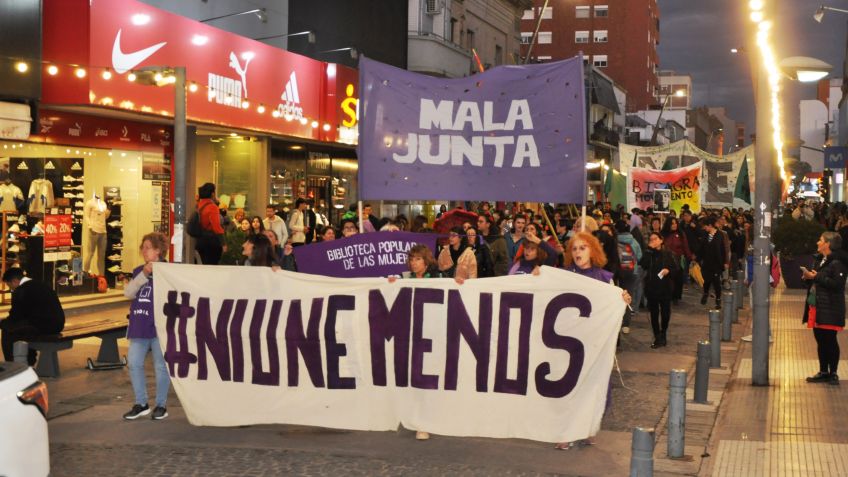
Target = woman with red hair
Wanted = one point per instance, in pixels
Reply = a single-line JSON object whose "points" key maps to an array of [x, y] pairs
{"points": [[584, 255]]}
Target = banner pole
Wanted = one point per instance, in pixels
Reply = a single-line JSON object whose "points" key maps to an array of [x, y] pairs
{"points": [[583, 219], [359, 214], [545, 214]]}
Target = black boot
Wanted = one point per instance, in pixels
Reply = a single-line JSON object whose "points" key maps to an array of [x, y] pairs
{"points": [[820, 377], [662, 339], [656, 344], [704, 299]]}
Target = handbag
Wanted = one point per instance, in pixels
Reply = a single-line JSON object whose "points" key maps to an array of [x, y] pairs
{"points": [[695, 273]]}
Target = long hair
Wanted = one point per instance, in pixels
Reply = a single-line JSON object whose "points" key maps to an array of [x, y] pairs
{"points": [[261, 225], [666, 228], [596, 251], [263, 252]]}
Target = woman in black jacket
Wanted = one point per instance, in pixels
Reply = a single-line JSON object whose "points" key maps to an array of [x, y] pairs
{"points": [[824, 311], [658, 264]]}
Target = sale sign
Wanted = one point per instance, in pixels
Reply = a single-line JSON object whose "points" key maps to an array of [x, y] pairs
{"points": [[57, 231]]}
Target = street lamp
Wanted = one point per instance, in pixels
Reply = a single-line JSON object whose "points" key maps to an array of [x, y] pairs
{"points": [[680, 94], [162, 76], [804, 68], [820, 12]]}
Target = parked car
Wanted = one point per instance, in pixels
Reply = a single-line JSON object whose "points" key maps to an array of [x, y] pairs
{"points": [[24, 447]]}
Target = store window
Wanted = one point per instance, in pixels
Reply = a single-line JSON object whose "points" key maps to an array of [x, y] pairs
{"points": [[71, 214], [326, 177]]}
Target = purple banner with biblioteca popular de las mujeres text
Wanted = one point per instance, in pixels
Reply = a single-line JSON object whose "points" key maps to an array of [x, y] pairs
{"points": [[512, 133], [377, 254]]}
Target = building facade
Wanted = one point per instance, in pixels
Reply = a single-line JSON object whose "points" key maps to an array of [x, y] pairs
{"points": [[443, 34], [619, 37]]}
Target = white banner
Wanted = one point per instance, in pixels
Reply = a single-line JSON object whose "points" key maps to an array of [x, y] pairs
{"points": [[509, 357], [719, 173]]}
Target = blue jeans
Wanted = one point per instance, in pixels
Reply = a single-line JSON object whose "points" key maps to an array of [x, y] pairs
{"points": [[138, 352]]}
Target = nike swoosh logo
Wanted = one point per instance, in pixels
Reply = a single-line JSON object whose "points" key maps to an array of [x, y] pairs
{"points": [[123, 62]]}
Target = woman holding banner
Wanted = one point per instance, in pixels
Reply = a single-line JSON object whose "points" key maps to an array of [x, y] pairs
{"points": [[585, 256], [458, 259]]}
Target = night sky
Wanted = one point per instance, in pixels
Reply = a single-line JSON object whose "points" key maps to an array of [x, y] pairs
{"points": [[696, 37]]}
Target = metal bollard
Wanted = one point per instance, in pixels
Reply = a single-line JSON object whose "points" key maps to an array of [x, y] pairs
{"points": [[715, 339], [676, 412], [734, 289], [702, 372], [740, 276], [642, 452], [20, 351], [726, 315]]}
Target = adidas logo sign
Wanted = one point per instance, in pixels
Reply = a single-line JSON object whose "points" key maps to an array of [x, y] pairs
{"points": [[290, 107]]}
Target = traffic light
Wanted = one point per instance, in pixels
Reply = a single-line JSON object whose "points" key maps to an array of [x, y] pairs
{"points": [[824, 184]]}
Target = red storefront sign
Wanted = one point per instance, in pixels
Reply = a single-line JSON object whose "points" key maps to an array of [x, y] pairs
{"points": [[60, 127], [57, 231], [239, 82]]}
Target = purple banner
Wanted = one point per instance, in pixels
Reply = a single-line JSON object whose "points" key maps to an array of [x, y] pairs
{"points": [[377, 254], [513, 133]]}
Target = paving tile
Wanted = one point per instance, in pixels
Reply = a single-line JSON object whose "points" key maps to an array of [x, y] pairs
{"points": [[790, 427]]}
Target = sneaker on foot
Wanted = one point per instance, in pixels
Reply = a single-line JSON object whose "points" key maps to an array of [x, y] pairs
{"points": [[137, 411], [625, 330], [159, 413], [422, 436], [819, 378]]}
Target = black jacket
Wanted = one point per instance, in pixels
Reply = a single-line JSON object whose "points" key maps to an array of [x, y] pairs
{"points": [[485, 264], [712, 253], [34, 303], [829, 288], [653, 261]]}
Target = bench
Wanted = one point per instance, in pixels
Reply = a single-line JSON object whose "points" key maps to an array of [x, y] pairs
{"points": [[109, 330]]}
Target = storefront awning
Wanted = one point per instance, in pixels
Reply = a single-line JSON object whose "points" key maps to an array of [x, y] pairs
{"points": [[15, 120]]}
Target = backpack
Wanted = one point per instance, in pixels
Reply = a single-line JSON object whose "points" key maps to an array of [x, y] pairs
{"points": [[627, 260], [193, 227]]}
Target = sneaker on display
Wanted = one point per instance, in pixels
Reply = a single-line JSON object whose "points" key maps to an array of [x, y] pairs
{"points": [[115, 224], [14, 249], [69, 178], [114, 269], [12, 240], [22, 220], [137, 411], [78, 212], [115, 258], [14, 228], [159, 413], [63, 269], [117, 202], [118, 246], [63, 280], [79, 187]]}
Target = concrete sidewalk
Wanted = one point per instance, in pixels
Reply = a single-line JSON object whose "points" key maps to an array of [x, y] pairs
{"points": [[88, 436], [791, 427]]}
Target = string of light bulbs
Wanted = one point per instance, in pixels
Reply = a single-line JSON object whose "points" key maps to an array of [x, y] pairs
{"points": [[23, 66]]}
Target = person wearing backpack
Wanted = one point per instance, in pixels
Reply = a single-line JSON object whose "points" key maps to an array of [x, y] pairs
{"points": [[629, 254], [210, 242]]}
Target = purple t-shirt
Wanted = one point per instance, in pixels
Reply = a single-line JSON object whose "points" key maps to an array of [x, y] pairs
{"points": [[141, 311], [593, 272]]}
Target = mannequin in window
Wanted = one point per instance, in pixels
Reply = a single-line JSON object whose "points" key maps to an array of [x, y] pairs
{"points": [[11, 196], [95, 213]]}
